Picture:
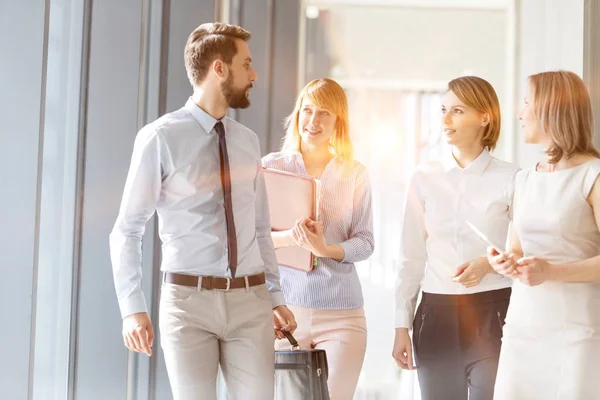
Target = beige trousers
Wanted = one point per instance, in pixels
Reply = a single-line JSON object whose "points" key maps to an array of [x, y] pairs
{"points": [[343, 336], [202, 329]]}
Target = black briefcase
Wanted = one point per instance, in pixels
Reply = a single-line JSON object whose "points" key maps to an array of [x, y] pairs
{"points": [[300, 374]]}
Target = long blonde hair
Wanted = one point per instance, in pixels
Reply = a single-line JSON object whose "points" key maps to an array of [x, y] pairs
{"points": [[324, 93], [562, 106]]}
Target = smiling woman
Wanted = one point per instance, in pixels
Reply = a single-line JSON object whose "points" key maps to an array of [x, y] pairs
{"points": [[317, 123], [557, 230], [328, 301], [323, 107]]}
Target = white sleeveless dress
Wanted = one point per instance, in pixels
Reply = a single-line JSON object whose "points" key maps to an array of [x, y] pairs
{"points": [[551, 343]]}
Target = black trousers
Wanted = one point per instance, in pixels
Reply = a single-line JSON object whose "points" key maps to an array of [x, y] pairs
{"points": [[457, 344]]}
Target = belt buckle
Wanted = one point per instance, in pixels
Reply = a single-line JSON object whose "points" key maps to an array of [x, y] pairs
{"points": [[227, 287]]}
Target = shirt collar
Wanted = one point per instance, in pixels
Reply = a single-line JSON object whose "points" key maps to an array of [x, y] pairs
{"points": [[477, 166], [297, 156], [206, 121]]}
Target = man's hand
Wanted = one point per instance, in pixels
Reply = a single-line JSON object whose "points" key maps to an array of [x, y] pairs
{"points": [[138, 334], [402, 351], [470, 273], [283, 320]]}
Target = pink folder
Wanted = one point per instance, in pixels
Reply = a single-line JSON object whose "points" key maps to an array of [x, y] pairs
{"points": [[292, 197]]}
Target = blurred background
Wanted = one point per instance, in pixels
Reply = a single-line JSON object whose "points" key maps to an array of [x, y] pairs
{"points": [[79, 78]]}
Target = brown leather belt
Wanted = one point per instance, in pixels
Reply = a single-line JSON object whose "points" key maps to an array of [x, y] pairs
{"points": [[213, 282]]}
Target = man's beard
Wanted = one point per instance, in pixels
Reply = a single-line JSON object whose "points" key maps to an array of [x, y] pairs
{"points": [[235, 98]]}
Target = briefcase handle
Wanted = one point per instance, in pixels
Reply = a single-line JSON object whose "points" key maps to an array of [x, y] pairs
{"points": [[292, 340]]}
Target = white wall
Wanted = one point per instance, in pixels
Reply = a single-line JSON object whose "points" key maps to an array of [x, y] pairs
{"points": [[421, 45], [418, 44], [550, 37], [424, 43]]}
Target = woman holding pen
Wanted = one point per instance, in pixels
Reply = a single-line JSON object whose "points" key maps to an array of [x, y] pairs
{"points": [[327, 301], [457, 327]]}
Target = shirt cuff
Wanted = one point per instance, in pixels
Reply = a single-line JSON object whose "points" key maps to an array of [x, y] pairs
{"points": [[403, 320], [277, 299], [349, 252], [133, 305]]}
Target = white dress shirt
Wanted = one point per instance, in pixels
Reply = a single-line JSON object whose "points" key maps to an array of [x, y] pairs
{"points": [[175, 170], [435, 238]]}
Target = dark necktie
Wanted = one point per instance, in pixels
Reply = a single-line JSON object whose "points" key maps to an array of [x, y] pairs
{"points": [[226, 185]]}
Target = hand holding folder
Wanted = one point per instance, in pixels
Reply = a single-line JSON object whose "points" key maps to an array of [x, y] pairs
{"points": [[292, 197]]}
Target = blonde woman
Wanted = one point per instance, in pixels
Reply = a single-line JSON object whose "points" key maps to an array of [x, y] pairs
{"points": [[551, 345], [457, 327], [328, 301]]}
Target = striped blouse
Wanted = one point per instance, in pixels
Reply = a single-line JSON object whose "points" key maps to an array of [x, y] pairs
{"points": [[345, 209]]}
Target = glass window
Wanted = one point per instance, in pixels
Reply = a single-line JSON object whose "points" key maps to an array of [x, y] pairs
{"points": [[58, 201]]}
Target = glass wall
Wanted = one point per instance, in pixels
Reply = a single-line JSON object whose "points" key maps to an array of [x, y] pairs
{"points": [[80, 78], [59, 200]]}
